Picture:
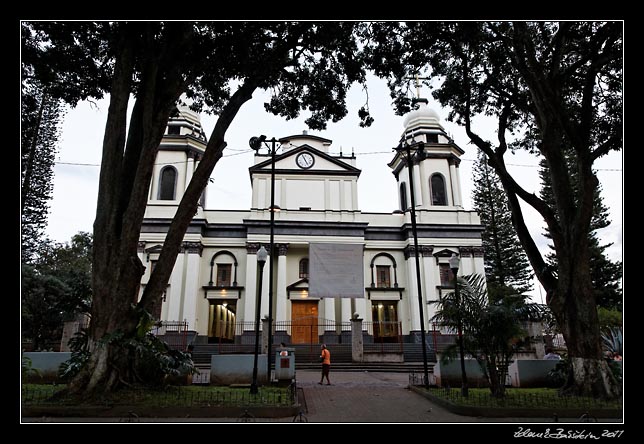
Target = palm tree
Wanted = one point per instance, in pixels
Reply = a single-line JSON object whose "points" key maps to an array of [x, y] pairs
{"points": [[489, 329]]}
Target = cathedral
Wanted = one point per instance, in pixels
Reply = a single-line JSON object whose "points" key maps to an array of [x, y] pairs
{"points": [[317, 222]]}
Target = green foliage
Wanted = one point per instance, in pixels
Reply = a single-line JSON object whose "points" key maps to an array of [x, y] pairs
{"points": [[489, 329], [27, 369], [612, 340], [605, 273], [153, 359], [557, 377], [55, 287], [78, 345], [609, 318], [507, 269]]}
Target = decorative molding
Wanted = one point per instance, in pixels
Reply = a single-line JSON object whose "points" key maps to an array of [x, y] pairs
{"points": [[426, 250], [478, 251], [191, 247], [282, 249], [465, 251], [140, 247], [252, 247], [410, 251]]}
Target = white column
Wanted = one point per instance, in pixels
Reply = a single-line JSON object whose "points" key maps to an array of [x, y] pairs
{"points": [[174, 296], [458, 182], [327, 194], [280, 307], [412, 294], [418, 195], [190, 168], [456, 189], [255, 199], [191, 290], [479, 265], [250, 291], [354, 192], [361, 308], [264, 309], [423, 191], [467, 263], [346, 313], [329, 309], [429, 286]]}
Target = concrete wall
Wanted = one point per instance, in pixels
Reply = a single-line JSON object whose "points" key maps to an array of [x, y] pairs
{"points": [[382, 357], [530, 372], [47, 364], [450, 374], [236, 369]]}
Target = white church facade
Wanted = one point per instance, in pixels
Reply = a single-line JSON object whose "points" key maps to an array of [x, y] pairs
{"points": [[213, 286]]}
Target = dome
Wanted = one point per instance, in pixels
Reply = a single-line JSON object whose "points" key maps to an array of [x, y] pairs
{"points": [[421, 115]]}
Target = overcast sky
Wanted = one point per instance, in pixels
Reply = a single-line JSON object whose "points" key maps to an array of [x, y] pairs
{"points": [[73, 206]]}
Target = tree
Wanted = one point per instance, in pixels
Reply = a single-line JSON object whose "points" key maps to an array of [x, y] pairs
{"points": [[215, 65], [507, 269], [489, 328], [553, 88], [605, 274], [40, 119], [55, 287]]}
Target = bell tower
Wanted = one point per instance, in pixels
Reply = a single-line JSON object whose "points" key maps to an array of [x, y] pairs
{"points": [[436, 172], [180, 151]]}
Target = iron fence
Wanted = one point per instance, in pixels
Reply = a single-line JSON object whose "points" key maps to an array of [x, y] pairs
{"points": [[173, 333], [514, 398], [387, 336], [168, 397]]}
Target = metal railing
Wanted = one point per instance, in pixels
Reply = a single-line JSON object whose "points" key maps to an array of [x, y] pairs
{"points": [[170, 397], [386, 335], [173, 333]]}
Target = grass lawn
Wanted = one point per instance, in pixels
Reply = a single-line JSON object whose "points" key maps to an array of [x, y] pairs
{"points": [[545, 398], [188, 396]]}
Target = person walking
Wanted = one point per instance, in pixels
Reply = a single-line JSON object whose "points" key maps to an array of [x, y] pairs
{"points": [[325, 357]]}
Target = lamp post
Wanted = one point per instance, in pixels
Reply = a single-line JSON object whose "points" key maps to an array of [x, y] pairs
{"points": [[454, 263], [261, 261], [256, 143], [405, 147]]}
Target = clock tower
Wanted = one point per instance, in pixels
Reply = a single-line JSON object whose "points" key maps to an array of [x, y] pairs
{"points": [[308, 177]]}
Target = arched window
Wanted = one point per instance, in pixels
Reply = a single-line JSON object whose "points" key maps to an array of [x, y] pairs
{"points": [[167, 183], [437, 185], [403, 197], [304, 268]]}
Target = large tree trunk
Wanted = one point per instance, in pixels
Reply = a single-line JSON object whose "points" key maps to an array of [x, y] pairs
{"points": [[576, 313]]}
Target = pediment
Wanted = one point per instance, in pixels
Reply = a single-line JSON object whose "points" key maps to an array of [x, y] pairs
{"points": [[322, 163], [445, 253], [156, 249]]}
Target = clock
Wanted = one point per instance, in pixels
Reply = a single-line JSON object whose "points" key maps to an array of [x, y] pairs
{"points": [[305, 160]]}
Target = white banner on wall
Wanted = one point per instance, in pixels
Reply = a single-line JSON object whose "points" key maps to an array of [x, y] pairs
{"points": [[336, 270]]}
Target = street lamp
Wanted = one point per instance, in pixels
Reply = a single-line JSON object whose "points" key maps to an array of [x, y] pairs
{"points": [[454, 263], [405, 147], [261, 261], [256, 144]]}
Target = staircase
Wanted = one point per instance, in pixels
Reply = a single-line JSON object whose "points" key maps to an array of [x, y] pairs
{"points": [[307, 357]]}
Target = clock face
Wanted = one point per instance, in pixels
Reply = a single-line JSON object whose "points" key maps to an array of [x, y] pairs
{"points": [[305, 160]]}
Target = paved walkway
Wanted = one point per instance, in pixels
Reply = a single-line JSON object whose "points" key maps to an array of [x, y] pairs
{"points": [[353, 397]]}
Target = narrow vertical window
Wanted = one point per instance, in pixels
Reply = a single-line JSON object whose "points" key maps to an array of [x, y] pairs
{"points": [[439, 197], [168, 183], [403, 197], [447, 277], [383, 279], [223, 275], [304, 268]]}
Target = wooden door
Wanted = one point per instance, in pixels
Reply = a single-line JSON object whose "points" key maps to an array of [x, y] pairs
{"points": [[304, 322]]}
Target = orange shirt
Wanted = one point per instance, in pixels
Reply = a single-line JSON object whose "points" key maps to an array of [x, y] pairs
{"points": [[326, 357]]}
